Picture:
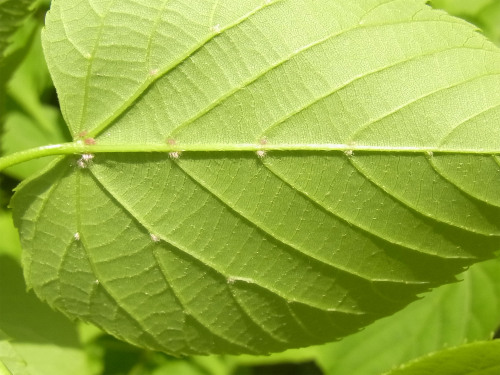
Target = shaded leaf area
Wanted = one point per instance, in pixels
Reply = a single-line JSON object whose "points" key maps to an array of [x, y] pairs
{"points": [[219, 252], [7, 186], [10, 244], [481, 358], [307, 368], [119, 358]]}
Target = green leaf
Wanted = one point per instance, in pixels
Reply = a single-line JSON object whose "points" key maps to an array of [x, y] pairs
{"points": [[10, 239], [483, 13], [463, 7], [16, 29], [44, 341], [12, 14], [448, 316], [376, 175], [11, 363], [31, 79], [30, 123], [481, 358], [23, 132], [490, 21]]}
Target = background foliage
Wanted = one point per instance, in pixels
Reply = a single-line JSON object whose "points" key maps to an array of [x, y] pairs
{"points": [[36, 340]]}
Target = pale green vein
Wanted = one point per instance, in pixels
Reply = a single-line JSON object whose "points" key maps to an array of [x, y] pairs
{"points": [[292, 315], [368, 231], [410, 206], [465, 121], [67, 38], [186, 311], [359, 77], [496, 159], [181, 248], [178, 248], [297, 52], [118, 304], [28, 261], [301, 324], [102, 281], [212, 14], [59, 268], [90, 64], [416, 100], [468, 193], [257, 327], [184, 305], [142, 88], [153, 31], [271, 234], [373, 8]]}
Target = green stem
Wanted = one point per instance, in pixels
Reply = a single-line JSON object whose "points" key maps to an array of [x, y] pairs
{"points": [[33, 153], [80, 147]]}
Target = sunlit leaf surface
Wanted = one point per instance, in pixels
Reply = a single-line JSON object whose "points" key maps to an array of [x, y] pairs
{"points": [[342, 159]]}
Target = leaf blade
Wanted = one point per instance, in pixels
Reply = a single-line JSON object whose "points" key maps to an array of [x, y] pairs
{"points": [[475, 358], [354, 235]]}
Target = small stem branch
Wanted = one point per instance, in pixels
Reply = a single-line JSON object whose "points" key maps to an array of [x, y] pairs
{"points": [[33, 153]]}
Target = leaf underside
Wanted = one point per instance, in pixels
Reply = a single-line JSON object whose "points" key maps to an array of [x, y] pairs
{"points": [[233, 252]]}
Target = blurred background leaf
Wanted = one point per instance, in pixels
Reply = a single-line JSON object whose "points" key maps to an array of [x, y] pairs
{"points": [[45, 340], [483, 13], [32, 118], [29, 112], [15, 31], [10, 361], [449, 316], [479, 358]]}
